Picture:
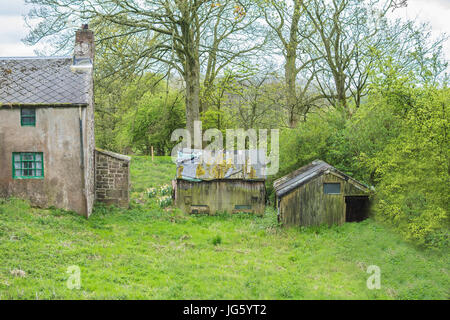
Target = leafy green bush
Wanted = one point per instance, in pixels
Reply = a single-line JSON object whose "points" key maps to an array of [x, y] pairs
{"points": [[397, 141], [412, 171]]}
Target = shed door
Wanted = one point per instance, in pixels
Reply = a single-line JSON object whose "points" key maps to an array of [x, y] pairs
{"points": [[356, 208]]}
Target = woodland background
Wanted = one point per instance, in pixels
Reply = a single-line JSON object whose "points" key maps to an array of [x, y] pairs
{"points": [[343, 82]]}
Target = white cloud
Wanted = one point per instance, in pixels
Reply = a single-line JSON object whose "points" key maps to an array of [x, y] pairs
{"points": [[13, 30], [16, 50], [13, 7]]}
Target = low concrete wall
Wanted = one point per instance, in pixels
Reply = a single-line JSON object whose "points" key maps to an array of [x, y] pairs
{"points": [[112, 185]]}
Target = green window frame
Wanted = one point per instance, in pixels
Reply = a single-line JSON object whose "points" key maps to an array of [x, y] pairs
{"points": [[28, 117], [28, 165]]}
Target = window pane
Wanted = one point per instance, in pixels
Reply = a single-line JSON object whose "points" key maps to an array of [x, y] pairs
{"points": [[28, 165], [332, 188], [28, 117], [26, 121], [28, 112]]}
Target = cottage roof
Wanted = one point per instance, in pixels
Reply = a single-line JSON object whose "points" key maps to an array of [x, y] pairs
{"points": [[42, 81], [306, 173]]}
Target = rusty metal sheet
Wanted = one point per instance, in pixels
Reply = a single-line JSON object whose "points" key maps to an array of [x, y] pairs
{"points": [[198, 165]]}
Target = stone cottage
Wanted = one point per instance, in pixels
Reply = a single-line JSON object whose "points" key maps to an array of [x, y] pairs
{"points": [[47, 143]]}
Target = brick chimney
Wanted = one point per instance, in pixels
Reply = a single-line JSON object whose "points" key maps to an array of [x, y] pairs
{"points": [[84, 44]]}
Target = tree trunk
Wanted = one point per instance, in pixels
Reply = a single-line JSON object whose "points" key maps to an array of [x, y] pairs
{"points": [[290, 77], [290, 69], [192, 79], [191, 66], [341, 97]]}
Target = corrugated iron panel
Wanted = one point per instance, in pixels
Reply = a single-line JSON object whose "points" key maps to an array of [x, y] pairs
{"points": [[198, 165]]}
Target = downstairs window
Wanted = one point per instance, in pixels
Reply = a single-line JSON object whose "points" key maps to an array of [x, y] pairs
{"points": [[28, 165]]}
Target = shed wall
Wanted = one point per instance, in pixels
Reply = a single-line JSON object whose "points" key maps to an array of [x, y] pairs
{"points": [[221, 196], [308, 205]]}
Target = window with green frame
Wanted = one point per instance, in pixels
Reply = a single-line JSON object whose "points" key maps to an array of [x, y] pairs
{"points": [[28, 117], [28, 165]]}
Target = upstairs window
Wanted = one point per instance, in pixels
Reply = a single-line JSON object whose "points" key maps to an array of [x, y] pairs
{"points": [[28, 117], [332, 188], [28, 165]]}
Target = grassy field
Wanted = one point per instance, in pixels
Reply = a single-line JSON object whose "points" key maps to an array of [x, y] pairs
{"points": [[153, 253]]}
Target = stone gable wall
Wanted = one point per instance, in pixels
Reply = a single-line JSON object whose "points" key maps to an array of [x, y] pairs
{"points": [[112, 178]]}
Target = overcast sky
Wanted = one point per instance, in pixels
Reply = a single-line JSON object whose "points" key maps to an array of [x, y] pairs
{"points": [[13, 28]]}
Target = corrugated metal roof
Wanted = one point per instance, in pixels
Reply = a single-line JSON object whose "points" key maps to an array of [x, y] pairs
{"points": [[304, 174], [198, 165], [42, 81]]}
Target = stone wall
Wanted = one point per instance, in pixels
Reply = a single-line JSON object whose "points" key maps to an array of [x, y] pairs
{"points": [[112, 178]]}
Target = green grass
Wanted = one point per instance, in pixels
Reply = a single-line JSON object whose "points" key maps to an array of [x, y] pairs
{"points": [[148, 252], [146, 174]]}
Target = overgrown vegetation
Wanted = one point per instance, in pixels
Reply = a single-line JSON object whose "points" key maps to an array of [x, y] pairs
{"points": [[396, 141], [344, 81], [148, 252]]}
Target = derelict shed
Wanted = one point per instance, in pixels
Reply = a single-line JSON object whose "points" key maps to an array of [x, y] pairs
{"points": [[219, 185], [318, 193]]}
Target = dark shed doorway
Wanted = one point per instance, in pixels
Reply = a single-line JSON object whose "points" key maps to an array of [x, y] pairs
{"points": [[357, 208]]}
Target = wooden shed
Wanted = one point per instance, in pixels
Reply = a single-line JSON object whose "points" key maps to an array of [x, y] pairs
{"points": [[318, 193], [217, 184]]}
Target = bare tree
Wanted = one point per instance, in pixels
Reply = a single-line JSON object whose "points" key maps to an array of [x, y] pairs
{"points": [[284, 19], [186, 35], [346, 34]]}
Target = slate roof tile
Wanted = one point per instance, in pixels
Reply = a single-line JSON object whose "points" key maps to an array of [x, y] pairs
{"points": [[46, 80]]}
